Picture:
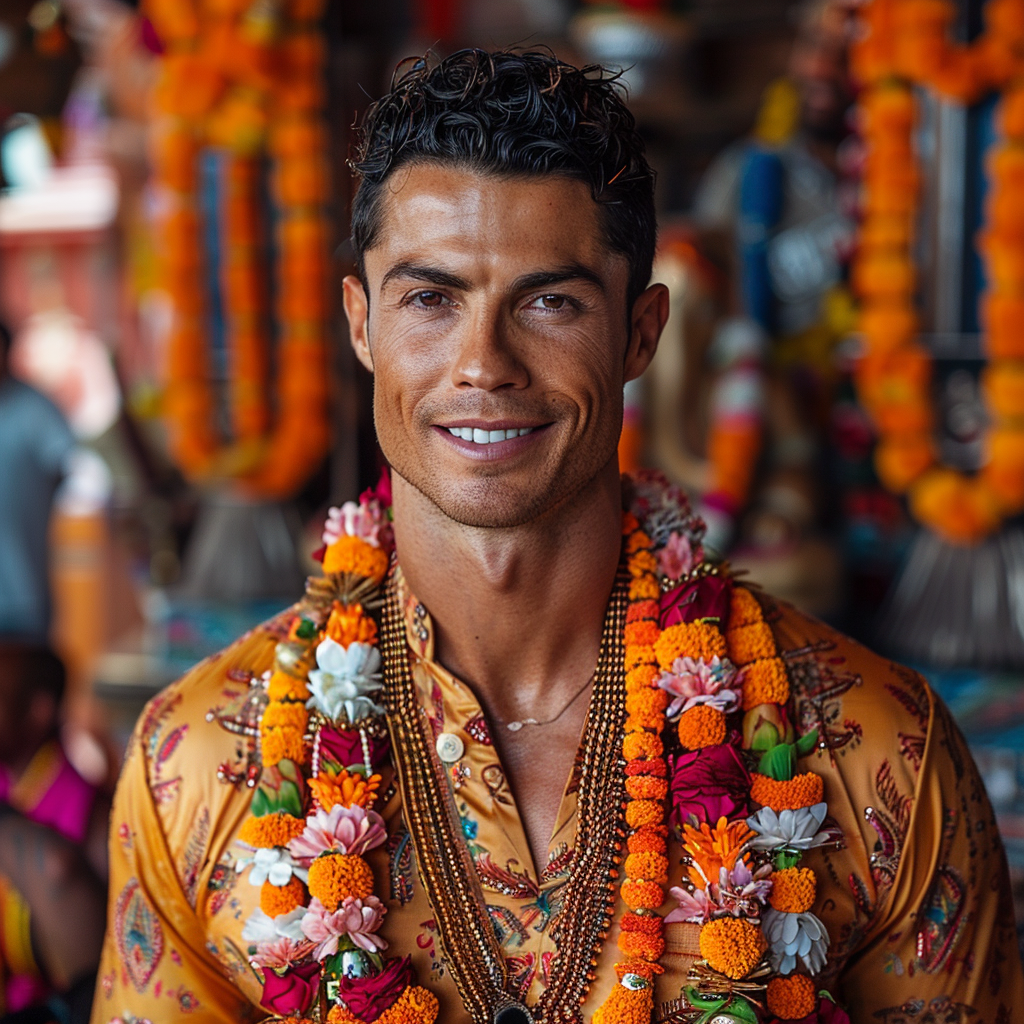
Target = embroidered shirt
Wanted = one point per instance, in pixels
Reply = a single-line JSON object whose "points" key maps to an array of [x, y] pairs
{"points": [[917, 901]]}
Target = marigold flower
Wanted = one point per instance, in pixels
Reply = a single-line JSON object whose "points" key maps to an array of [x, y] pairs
{"points": [[732, 946], [270, 830], [638, 655], [276, 900], [285, 716], [643, 633], [689, 639], [648, 704], [284, 687], [640, 610], [765, 682], [348, 624], [744, 608], [646, 787], [335, 877], [750, 643], [642, 677], [793, 890], [701, 726], [639, 745], [651, 867], [638, 541], [350, 789], [648, 839], [711, 849], [792, 998], [630, 524], [804, 790], [644, 588], [644, 812], [642, 563], [642, 895], [645, 947], [655, 766], [356, 556], [278, 745]]}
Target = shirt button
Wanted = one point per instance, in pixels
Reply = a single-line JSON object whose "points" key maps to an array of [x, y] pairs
{"points": [[450, 747]]}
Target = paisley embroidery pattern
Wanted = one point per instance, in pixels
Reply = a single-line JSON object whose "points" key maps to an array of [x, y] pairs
{"points": [[140, 938]]}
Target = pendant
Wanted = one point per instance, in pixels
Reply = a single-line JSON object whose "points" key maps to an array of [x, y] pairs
{"points": [[511, 1012]]}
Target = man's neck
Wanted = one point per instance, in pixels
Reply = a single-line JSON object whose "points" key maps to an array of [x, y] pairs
{"points": [[517, 613]]}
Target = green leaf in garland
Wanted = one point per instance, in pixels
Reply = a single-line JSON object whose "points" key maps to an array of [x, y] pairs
{"points": [[778, 763], [306, 629], [806, 743], [786, 859], [261, 803], [289, 800]]}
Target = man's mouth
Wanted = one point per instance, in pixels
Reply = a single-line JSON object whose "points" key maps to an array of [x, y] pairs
{"points": [[479, 436]]}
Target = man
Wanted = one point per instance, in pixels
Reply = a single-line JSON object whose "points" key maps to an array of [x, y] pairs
{"points": [[506, 841], [35, 443], [52, 850]]}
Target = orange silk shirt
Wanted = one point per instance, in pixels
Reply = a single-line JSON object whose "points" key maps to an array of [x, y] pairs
{"points": [[917, 900]]}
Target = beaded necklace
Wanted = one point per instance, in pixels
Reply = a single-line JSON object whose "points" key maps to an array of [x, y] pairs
{"points": [[681, 644]]}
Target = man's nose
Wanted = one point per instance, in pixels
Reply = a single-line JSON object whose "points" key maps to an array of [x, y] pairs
{"points": [[486, 356]]}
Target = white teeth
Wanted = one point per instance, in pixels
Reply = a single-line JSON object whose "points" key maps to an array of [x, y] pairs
{"points": [[478, 436]]}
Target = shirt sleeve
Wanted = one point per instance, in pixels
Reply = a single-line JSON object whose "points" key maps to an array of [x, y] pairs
{"points": [[944, 945], [155, 965]]}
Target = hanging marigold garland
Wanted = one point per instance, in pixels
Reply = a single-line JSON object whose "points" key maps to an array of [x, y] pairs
{"points": [[905, 43], [243, 79]]}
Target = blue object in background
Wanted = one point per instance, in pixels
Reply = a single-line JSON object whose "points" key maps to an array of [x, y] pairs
{"points": [[762, 194]]}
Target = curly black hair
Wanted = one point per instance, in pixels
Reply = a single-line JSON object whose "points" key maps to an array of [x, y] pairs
{"points": [[513, 113]]}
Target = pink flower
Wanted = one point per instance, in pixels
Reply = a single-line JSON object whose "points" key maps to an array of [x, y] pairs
{"points": [[676, 559], [291, 992], [282, 952], [342, 830], [693, 906], [695, 681], [708, 784], [357, 920], [739, 890], [366, 521]]}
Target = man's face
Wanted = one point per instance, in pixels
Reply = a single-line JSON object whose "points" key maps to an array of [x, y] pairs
{"points": [[499, 340]]}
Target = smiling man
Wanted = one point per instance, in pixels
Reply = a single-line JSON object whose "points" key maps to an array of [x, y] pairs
{"points": [[520, 753]]}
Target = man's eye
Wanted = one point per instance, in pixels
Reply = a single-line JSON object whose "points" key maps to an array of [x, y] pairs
{"points": [[429, 299], [550, 302]]}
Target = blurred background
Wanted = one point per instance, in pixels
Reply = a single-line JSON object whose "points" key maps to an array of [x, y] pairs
{"points": [[840, 388]]}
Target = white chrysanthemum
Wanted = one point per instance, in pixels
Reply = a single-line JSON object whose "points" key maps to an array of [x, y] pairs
{"points": [[795, 937], [260, 927], [793, 830], [344, 679], [274, 865]]}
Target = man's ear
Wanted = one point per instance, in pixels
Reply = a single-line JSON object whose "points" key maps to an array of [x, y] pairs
{"points": [[648, 319], [357, 309]]}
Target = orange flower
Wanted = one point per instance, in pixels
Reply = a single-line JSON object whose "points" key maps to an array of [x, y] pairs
{"points": [[348, 625], [644, 947], [644, 588], [711, 849], [650, 867], [800, 791], [642, 563], [271, 830], [276, 900], [750, 643], [642, 895], [643, 633], [648, 839], [645, 787], [334, 877], [642, 677], [284, 716], [281, 745], [701, 726], [692, 640], [354, 555], [732, 946], [640, 745], [648, 705], [416, 1005], [646, 924], [630, 524], [639, 656], [793, 890], [792, 998], [284, 687], [744, 608], [638, 541], [644, 812], [638, 610], [765, 682], [350, 789]]}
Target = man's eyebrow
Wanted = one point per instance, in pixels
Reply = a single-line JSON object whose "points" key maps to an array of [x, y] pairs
{"points": [[546, 278], [431, 275]]}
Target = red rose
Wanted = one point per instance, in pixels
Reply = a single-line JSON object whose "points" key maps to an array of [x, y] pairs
{"points": [[709, 784], [827, 1012], [369, 997], [346, 748], [705, 598], [292, 992]]}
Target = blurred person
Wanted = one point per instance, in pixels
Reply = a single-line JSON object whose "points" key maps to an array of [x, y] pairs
{"points": [[35, 446], [53, 864], [471, 804], [780, 195]]}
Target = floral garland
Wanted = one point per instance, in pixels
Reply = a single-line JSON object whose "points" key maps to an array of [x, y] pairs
{"points": [[322, 742], [243, 81], [905, 42]]}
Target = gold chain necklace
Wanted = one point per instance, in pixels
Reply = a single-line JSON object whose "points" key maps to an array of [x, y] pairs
{"points": [[472, 952]]}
